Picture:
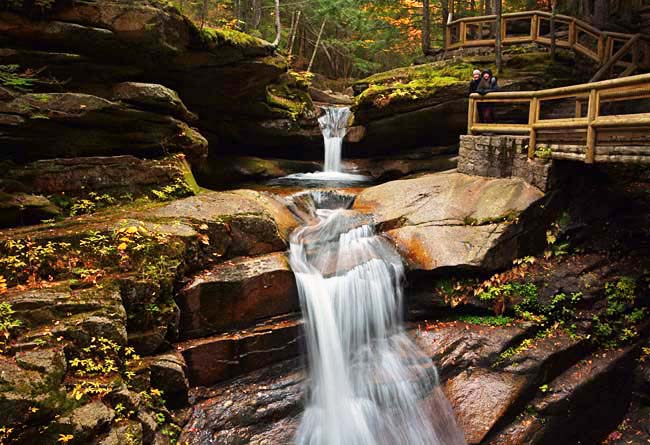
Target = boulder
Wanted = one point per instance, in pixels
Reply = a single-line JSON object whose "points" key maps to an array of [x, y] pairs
{"points": [[241, 222], [114, 175], [427, 104], [237, 293], [22, 208], [454, 220], [153, 97], [60, 125]]}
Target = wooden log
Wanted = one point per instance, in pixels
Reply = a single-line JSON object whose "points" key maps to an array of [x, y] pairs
{"points": [[533, 115], [471, 115], [592, 114], [607, 67], [627, 120], [534, 27], [560, 123], [501, 128]]}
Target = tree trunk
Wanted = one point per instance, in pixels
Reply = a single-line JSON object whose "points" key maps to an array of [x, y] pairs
{"points": [[601, 13], [313, 56], [426, 27], [552, 26], [278, 25], [499, 24], [256, 16], [293, 35], [444, 7], [204, 12]]}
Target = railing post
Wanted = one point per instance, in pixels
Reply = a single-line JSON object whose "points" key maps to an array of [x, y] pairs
{"points": [[533, 116], [471, 114], [601, 48], [462, 33], [590, 154], [572, 33], [533, 27]]}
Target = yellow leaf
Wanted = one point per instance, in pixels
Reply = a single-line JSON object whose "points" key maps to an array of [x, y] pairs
{"points": [[121, 246], [132, 229], [65, 438]]}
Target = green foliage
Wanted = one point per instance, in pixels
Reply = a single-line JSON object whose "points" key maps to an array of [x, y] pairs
{"points": [[487, 320], [508, 291], [556, 248], [178, 189], [96, 367], [11, 77], [8, 324], [543, 152], [617, 325], [149, 253]]}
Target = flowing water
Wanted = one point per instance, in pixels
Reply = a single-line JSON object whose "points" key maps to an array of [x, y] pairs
{"points": [[370, 385], [334, 125]]}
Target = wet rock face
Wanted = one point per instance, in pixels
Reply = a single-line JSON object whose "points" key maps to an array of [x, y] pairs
{"points": [[261, 407], [214, 359], [237, 293], [453, 220]]}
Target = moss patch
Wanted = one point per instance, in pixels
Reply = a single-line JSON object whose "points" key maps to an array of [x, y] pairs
{"points": [[411, 83], [223, 36]]}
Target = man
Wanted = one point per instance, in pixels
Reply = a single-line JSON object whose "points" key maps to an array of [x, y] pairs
{"points": [[487, 84], [476, 79]]}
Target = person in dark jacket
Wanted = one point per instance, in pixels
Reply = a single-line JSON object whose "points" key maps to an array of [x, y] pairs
{"points": [[476, 79], [487, 84]]}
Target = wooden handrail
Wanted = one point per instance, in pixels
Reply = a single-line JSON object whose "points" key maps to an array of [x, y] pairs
{"points": [[603, 54], [593, 94]]}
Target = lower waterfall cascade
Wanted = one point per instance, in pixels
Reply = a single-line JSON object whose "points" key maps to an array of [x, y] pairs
{"points": [[369, 383]]}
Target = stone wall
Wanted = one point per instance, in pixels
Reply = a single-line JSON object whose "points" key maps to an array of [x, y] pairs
{"points": [[503, 157]]}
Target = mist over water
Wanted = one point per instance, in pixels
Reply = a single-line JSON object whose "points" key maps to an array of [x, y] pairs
{"points": [[369, 383]]}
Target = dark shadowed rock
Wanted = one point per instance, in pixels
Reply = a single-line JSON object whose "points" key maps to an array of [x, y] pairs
{"points": [[579, 406], [114, 175], [22, 208], [56, 125], [213, 359], [168, 374], [153, 97], [237, 293]]}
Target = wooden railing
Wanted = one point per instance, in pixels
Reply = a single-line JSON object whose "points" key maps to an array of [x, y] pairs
{"points": [[588, 122], [613, 51]]}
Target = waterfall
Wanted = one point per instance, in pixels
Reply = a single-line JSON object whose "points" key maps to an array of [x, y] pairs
{"points": [[369, 384], [334, 124]]}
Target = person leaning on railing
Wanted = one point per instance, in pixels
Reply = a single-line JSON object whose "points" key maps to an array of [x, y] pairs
{"points": [[476, 79], [487, 84]]}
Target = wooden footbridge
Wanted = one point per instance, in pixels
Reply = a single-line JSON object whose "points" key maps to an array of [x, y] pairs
{"points": [[617, 54], [600, 121]]}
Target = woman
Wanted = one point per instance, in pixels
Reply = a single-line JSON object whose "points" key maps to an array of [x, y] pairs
{"points": [[487, 84]]}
